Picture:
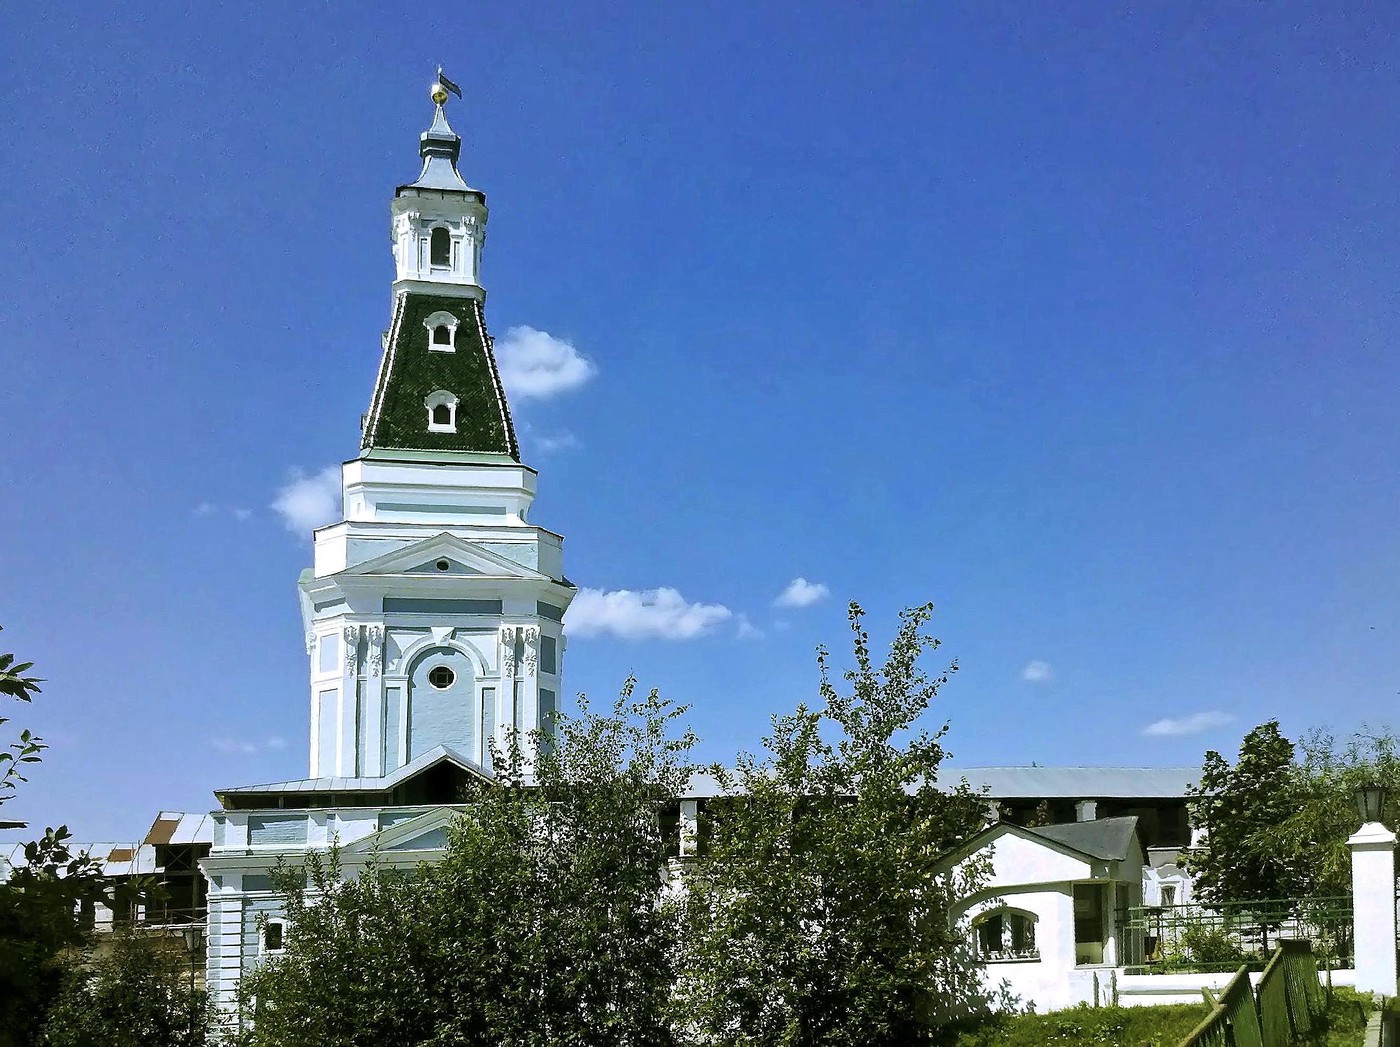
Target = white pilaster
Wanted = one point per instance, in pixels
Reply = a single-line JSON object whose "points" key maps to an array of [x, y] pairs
{"points": [[689, 827], [1373, 901]]}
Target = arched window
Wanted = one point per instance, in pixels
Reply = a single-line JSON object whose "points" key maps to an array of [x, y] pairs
{"points": [[442, 331], [440, 247], [442, 411], [1005, 934]]}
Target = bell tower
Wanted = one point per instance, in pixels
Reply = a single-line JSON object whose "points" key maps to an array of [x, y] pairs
{"points": [[438, 221], [433, 612]]}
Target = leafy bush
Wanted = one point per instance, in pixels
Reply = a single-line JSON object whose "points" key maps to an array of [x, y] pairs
{"points": [[137, 995], [1205, 944], [1164, 1026]]}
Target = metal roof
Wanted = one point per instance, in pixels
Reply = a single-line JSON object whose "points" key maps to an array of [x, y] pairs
{"points": [[1075, 783], [180, 827], [362, 784], [1036, 783]]}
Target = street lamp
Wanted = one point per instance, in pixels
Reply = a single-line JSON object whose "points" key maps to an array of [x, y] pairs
{"points": [[1370, 801], [192, 934]]}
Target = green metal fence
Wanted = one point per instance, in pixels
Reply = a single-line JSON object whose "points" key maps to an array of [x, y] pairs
{"points": [[1220, 937], [1283, 1011], [1233, 1021]]}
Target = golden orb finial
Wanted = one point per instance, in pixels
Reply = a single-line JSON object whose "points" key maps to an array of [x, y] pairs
{"points": [[437, 93]]}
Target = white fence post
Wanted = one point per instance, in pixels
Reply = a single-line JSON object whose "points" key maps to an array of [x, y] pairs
{"points": [[1373, 900]]}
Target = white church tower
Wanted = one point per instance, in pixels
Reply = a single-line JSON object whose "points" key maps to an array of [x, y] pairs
{"points": [[433, 610]]}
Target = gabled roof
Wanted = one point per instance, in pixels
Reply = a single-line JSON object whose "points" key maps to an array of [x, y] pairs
{"points": [[431, 758], [1108, 839], [1104, 840], [410, 371]]}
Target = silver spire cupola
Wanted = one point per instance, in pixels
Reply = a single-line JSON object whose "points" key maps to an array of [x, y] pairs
{"points": [[439, 222], [440, 146]]}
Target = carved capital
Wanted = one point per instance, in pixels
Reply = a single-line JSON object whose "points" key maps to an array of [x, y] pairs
{"points": [[507, 635], [376, 649], [352, 649]]}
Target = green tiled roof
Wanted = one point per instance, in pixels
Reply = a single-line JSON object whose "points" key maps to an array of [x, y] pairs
{"points": [[410, 372]]}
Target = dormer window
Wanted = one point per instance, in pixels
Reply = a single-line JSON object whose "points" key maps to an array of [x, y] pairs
{"points": [[440, 248], [442, 332], [442, 412]]}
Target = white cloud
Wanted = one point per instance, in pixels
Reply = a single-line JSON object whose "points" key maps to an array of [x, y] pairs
{"points": [[244, 747], [746, 630], [662, 614], [801, 593], [1037, 671], [562, 442], [535, 365], [1196, 723], [307, 502], [207, 509]]}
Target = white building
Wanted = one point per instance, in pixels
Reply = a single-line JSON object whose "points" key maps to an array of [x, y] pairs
{"points": [[433, 610], [1051, 919], [433, 626]]}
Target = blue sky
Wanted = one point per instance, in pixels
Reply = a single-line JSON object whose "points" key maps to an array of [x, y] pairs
{"points": [[1080, 323]]}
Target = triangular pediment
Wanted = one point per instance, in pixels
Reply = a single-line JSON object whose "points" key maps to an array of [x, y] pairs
{"points": [[425, 832], [461, 556]]}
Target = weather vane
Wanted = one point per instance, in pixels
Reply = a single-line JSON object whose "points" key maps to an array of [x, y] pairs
{"points": [[441, 87]]}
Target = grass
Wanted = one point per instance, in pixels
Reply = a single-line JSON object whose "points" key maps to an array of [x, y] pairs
{"points": [[1164, 1026]]}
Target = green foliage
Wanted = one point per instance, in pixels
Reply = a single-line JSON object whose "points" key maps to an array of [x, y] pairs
{"points": [[1238, 807], [26, 749], [1205, 944], [138, 994], [1314, 833], [814, 916], [1278, 824], [1345, 1019], [541, 925], [41, 907], [1164, 1026]]}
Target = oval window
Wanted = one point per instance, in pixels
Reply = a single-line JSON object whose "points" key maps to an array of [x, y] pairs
{"points": [[441, 677]]}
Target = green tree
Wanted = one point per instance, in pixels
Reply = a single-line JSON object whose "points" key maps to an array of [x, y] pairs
{"points": [[543, 924], [26, 748], [43, 900], [138, 994], [1313, 834], [1240, 808], [813, 916]]}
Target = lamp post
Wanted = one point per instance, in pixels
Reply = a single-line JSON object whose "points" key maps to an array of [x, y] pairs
{"points": [[1370, 801], [192, 934], [1373, 893]]}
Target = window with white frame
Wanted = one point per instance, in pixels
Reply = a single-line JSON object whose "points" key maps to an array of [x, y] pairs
{"points": [[442, 332], [442, 411], [274, 937], [1005, 934], [440, 248]]}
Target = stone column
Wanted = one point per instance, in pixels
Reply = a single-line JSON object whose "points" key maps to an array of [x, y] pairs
{"points": [[1373, 898]]}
